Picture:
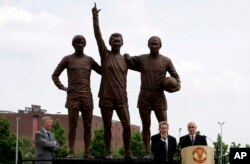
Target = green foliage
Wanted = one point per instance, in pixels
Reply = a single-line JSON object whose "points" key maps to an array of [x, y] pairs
{"points": [[97, 145], [7, 143], [177, 152], [116, 154], [217, 149], [27, 148], [121, 151], [137, 146], [79, 153], [234, 145], [58, 130]]}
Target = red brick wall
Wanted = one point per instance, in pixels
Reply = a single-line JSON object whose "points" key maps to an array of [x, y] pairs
{"points": [[30, 122]]}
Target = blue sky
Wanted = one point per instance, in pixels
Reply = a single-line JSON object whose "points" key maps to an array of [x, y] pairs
{"points": [[208, 42]]}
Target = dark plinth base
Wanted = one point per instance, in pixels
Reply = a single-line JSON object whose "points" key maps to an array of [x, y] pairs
{"points": [[95, 161], [100, 161]]}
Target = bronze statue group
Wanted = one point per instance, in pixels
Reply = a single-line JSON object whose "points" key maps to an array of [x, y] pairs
{"points": [[153, 68]]}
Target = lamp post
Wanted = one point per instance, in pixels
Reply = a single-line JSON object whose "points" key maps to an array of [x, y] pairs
{"points": [[17, 126], [141, 128], [221, 123], [57, 113], [180, 133]]}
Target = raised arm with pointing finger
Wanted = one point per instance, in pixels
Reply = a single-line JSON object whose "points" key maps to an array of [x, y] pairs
{"points": [[101, 45], [112, 93]]}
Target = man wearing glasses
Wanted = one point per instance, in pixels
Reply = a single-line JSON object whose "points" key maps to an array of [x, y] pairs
{"points": [[192, 138]]}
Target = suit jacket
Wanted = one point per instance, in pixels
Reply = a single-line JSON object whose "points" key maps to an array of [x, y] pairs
{"points": [[158, 148], [45, 147], [185, 141]]}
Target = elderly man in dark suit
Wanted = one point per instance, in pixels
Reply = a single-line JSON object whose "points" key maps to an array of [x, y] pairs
{"points": [[163, 145], [192, 138], [45, 142]]}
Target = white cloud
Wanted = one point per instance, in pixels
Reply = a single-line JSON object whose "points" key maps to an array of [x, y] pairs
{"points": [[30, 30], [18, 15], [231, 81], [228, 81], [190, 66], [14, 14]]}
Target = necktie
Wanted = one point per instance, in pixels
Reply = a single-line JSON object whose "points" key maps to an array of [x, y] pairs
{"points": [[192, 140], [49, 136], [166, 147]]}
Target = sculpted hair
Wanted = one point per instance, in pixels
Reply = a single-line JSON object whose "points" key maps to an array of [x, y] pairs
{"points": [[115, 35], [154, 37], [78, 37]]}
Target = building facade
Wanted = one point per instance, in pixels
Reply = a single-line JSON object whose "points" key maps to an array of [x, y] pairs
{"points": [[29, 121]]}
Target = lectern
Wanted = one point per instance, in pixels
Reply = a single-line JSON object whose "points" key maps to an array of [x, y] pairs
{"points": [[197, 154]]}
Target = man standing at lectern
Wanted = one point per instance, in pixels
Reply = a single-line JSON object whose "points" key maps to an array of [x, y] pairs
{"points": [[192, 138]]}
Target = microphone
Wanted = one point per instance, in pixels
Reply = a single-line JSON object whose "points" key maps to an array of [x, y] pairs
{"points": [[208, 138]]}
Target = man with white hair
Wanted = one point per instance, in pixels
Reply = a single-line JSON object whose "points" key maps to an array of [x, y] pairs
{"points": [[45, 142], [192, 138]]}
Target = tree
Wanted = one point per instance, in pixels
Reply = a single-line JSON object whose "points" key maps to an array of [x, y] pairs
{"points": [[121, 151], [137, 145], [27, 148], [58, 130], [97, 145], [177, 154], [234, 145], [117, 154], [7, 142], [217, 149]]}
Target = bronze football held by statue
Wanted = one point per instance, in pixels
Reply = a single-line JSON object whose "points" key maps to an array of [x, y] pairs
{"points": [[153, 68], [170, 84], [113, 95]]}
